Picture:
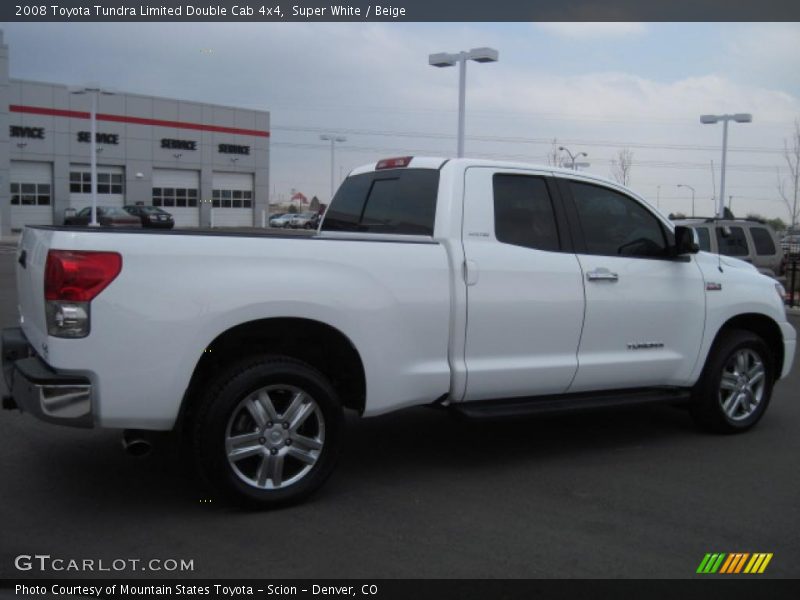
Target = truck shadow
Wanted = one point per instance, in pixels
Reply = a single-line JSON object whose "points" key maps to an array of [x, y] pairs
{"points": [[420, 443], [424, 439]]}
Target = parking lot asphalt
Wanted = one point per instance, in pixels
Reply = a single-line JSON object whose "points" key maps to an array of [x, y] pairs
{"points": [[638, 493]]}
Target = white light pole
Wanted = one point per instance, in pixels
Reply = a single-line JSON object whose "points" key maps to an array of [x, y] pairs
{"points": [[443, 59], [680, 185], [332, 139], [711, 119], [573, 157], [94, 92]]}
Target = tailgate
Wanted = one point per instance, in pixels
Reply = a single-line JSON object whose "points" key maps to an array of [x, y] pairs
{"points": [[31, 258]]}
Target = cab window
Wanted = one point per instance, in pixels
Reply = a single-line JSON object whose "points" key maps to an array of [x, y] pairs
{"points": [[734, 244], [398, 201], [523, 212]]}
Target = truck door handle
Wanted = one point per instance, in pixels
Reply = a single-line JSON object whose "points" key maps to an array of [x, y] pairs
{"points": [[601, 274]]}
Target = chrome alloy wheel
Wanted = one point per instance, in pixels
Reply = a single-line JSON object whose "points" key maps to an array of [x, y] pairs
{"points": [[274, 436], [741, 388]]}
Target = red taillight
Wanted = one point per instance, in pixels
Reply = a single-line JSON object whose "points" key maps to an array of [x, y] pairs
{"points": [[78, 275], [393, 163]]}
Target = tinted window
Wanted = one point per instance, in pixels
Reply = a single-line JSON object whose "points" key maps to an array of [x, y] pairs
{"points": [[396, 201], [616, 225], [523, 212], [733, 245], [704, 238], [762, 240]]}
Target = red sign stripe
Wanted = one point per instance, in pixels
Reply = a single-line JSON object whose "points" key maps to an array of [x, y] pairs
{"points": [[76, 114]]}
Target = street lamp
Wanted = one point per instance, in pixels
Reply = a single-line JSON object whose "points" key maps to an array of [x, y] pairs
{"points": [[332, 139], [443, 59], [680, 185], [572, 158], [93, 92], [710, 120]]}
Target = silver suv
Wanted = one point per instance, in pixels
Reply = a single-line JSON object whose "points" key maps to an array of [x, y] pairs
{"points": [[751, 240]]}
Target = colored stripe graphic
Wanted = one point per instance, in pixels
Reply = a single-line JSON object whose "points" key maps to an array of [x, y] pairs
{"points": [[734, 563], [76, 114], [711, 563], [765, 563]]}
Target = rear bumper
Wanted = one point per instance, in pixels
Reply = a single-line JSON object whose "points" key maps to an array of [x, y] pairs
{"points": [[37, 389]]}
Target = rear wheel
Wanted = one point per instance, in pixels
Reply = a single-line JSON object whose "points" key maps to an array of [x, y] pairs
{"points": [[736, 385], [268, 431]]}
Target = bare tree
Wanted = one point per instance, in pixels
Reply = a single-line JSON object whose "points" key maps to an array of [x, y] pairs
{"points": [[791, 153], [621, 166], [553, 156]]}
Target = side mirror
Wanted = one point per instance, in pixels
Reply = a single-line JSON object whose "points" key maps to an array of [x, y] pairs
{"points": [[685, 241]]}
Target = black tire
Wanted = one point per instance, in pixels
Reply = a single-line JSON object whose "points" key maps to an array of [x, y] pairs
{"points": [[225, 411], [708, 397]]}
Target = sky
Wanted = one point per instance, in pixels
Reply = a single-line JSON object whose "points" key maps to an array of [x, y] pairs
{"points": [[595, 87]]}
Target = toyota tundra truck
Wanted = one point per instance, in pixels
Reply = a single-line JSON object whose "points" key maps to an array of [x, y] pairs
{"points": [[491, 289]]}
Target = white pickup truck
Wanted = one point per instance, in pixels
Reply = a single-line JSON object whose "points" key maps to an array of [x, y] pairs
{"points": [[490, 288]]}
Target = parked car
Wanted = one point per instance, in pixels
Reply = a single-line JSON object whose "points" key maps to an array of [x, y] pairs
{"points": [[305, 220], [790, 244], [274, 216], [282, 220], [579, 296], [151, 216], [107, 216], [750, 240]]}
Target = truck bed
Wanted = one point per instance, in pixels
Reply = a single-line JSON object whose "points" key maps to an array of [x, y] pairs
{"points": [[179, 290]]}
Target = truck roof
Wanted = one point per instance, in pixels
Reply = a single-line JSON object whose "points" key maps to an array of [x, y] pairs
{"points": [[437, 162]]}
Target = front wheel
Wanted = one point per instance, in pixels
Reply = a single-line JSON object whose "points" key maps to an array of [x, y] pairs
{"points": [[268, 431], [736, 385]]}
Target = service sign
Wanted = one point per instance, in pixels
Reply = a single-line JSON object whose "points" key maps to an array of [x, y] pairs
{"points": [[34, 133], [100, 138]]}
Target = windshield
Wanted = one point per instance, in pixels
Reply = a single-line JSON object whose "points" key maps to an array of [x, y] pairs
{"points": [[152, 210]]}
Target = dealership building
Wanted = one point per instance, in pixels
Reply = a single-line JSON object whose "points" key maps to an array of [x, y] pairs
{"points": [[205, 164]]}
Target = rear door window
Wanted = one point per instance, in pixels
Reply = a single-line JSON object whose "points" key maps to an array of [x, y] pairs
{"points": [[762, 240], [399, 201], [523, 212], [733, 245]]}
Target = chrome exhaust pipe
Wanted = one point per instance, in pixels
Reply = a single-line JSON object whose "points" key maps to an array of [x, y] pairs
{"points": [[136, 443]]}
